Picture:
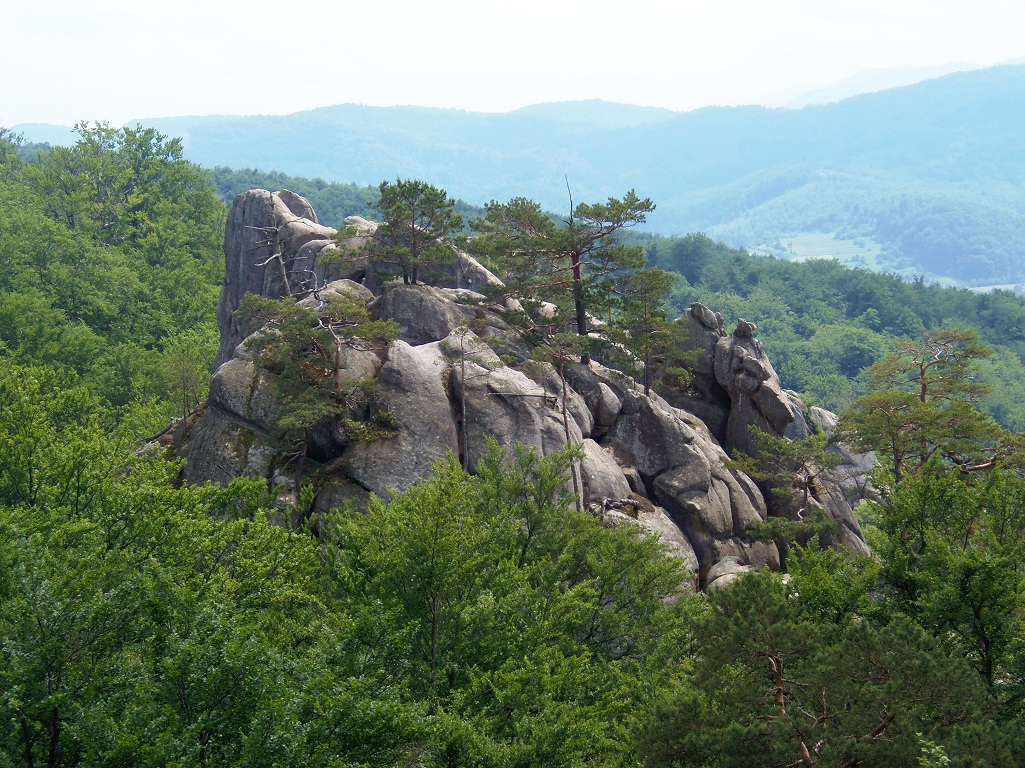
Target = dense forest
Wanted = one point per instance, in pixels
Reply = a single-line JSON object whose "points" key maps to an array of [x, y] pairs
{"points": [[111, 254], [475, 620]]}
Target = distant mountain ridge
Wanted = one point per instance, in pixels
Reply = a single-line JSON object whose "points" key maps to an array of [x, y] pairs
{"points": [[929, 177], [867, 81]]}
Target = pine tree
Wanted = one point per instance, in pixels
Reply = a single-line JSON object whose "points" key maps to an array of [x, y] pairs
{"points": [[569, 264], [921, 402]]}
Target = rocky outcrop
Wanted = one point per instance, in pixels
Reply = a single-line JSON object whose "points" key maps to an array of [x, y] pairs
{"points": [[460, 375], [412, 388], [757, 400], [852, 476], [426, 313], [274, 247]]}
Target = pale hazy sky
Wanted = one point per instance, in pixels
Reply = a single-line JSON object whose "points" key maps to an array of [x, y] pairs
{"points": [[118, 60]]}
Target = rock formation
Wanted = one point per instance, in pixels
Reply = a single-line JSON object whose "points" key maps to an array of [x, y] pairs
{"points": [[447, 387]]}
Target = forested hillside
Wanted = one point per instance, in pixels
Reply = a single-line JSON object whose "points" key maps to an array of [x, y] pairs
{"points": [[332, 201], [824, 323], [923, 180], [476, 619], [111, 264]]}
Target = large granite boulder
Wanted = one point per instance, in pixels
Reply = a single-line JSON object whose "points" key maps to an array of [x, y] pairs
{"points": [[602, 475], [426, 313], [221, 447], [271, 248], [702, 394], [853, 474], [756, 398], [653, 520], [412, 388], [245, 390], [505, 404], [648, 436]]}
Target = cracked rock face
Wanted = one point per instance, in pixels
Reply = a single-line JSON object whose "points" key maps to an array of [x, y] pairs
{"points": [[743, 370], [653, 462]]}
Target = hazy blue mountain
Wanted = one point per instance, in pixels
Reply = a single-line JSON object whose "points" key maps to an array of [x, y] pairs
{"points": [[925, 179], [867, 81], [45, 133]]}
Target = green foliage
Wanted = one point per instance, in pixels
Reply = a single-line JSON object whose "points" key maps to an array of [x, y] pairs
{"points": [[109, 250], [578, 264], [474, 619], [418, 224], [187, 361], [514, 239], [921, 403], [641, 327], [933, 755], [128, 186], [823, 323], [833, 585], [303, 346], [951, 552], [531, 633], [790, 469], [786, 465], [133, 626], [776, 684]]}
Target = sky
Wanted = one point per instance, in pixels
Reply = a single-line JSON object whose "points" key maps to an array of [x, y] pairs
{"points": [[122, 60]]}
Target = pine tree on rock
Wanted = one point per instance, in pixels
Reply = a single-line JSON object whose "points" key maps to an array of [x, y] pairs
{"points": [[417, 227], [572, 264]]}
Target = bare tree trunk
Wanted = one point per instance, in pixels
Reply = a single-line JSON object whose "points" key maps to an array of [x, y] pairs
{"points": [[578, 301], [462, 400], [27, 741], [578, 281], [578, 490], [434, 653]]}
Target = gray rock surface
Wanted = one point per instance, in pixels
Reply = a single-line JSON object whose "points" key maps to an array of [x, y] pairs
{"points": [[799, 428], [603, 477], [297, 204], [648, 436], [725, 572], [412, 388], [757, 400], [271, 248], [510, 407], [703, 396], [221, 447], [653, 520], [245, 390], [447, 389], [426, 313]]}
